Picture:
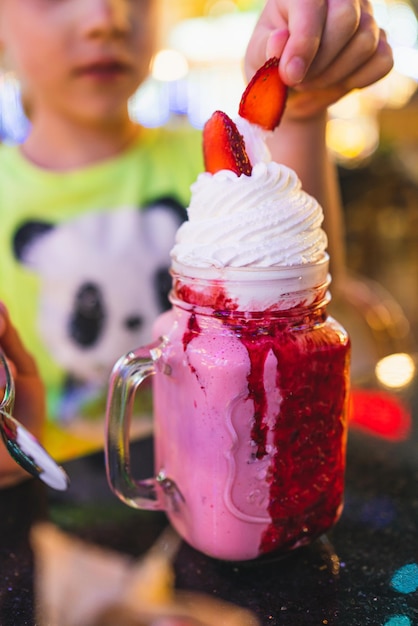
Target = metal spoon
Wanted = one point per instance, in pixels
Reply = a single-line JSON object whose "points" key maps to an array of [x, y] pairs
{"points": [[22, 446]]}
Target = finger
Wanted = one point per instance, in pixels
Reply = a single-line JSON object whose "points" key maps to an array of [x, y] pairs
{"points": [[342, 23], [356, 52], [376, 68], [372, 62], [305, 103], [30, 413], [306, 22]]}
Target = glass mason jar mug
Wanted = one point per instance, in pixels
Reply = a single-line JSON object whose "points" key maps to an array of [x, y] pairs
{"points": [[250, 387]]}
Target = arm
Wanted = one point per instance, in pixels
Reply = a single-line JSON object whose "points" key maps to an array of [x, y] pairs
{"points": [[326, 49], [301, 145]]}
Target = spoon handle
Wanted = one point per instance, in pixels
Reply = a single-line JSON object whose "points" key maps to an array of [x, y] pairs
{"points": [[8, 400], [22, 446]]}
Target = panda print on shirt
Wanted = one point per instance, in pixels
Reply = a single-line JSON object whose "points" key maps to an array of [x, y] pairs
{"points": [[104, 278]]}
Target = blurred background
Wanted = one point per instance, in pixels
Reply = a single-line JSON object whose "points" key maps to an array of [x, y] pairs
{"points": [[372, 133]]}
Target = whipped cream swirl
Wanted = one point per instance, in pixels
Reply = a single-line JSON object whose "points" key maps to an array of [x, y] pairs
{"points": [[262, 220]]}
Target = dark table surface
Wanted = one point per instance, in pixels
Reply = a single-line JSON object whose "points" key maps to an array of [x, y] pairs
{"points": [[365, 571]]}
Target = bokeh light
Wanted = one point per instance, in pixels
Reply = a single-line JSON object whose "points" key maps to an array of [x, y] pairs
{"points": [[169, 65], [396, 370]]}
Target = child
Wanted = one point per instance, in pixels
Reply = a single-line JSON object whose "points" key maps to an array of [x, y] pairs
{"points": [[90, 202], [86, 268]]}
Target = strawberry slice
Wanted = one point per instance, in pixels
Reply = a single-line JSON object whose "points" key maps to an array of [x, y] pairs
{"points": [[223, 146], [264, 99]]}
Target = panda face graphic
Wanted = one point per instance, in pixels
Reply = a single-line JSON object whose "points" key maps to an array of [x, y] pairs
{"points": [[87, 320], [103, 281]]}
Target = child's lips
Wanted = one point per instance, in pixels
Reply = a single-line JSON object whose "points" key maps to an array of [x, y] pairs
{"points": [[103, 69]]}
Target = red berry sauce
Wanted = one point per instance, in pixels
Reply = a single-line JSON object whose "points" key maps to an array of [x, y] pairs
{"points": [[306, 479]]}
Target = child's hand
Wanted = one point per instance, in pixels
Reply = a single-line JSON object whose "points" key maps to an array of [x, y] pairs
{"points": [[326, 49], [30, 397]]}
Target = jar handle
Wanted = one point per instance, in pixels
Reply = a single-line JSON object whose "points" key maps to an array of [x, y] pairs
{"points": [[127, 375]]}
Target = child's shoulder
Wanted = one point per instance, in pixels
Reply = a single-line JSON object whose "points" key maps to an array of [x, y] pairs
{"points": [[173, 148], [172, 154], [10, 153]]}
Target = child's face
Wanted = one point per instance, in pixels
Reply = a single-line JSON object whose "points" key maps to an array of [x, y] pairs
{"points": [[81, 58]]}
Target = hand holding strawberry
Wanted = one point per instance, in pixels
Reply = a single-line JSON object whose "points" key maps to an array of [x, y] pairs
{"points": [[326, 49]]}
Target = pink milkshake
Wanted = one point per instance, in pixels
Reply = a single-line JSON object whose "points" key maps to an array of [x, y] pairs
{"points": [[251, 417], [250, 375]]}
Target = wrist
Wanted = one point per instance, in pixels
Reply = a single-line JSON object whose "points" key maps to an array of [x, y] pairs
{"points": [[294, 138], [306, 124]]}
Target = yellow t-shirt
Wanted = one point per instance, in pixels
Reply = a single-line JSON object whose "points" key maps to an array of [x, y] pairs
{"points": [[84, 255]]}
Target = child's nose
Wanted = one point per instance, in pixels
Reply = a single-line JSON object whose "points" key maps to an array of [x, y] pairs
{"points": [[102, 17]]}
